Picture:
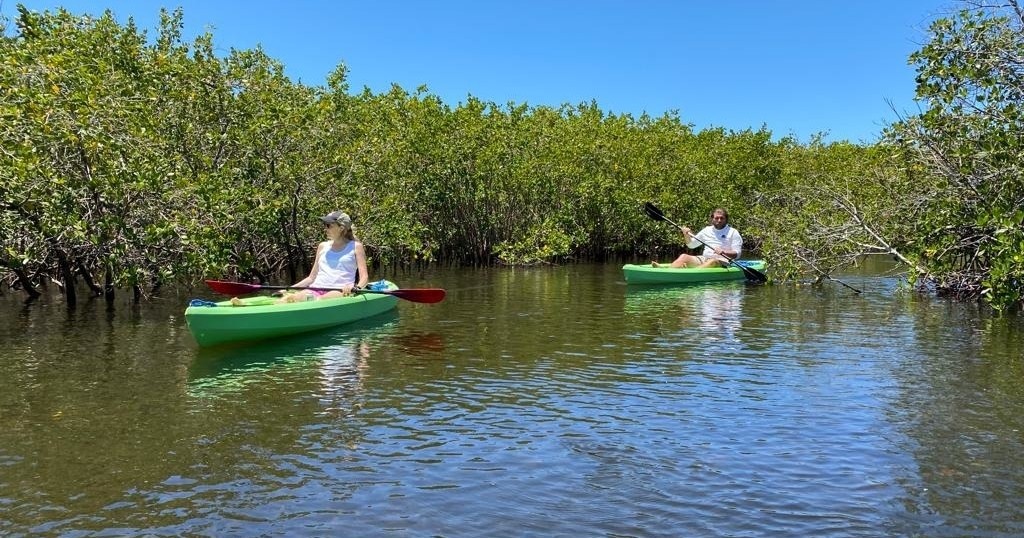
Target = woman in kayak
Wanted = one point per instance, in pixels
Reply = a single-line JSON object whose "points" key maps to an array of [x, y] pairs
{"points": [[723, 242], [336, 264]]}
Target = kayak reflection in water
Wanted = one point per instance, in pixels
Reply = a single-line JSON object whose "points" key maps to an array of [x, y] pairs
{"points": [[724, 241], [341, 370], [720, 310], [336, 264]]}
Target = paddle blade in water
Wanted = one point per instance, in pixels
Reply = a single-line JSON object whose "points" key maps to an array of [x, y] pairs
{"points": [[752, 274]]}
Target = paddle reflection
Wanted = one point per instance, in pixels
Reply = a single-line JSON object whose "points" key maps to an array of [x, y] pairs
{"points": [[429, 344]]}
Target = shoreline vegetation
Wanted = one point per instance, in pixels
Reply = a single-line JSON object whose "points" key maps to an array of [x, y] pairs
{"points": [[131, 159]]}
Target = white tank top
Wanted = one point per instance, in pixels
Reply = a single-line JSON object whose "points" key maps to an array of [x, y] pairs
{"points": [[337, 267]]}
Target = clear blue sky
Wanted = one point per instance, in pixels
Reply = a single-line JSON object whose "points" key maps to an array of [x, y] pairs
{"points": [[797, 66]]}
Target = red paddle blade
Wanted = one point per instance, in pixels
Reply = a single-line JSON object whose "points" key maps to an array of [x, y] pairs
{"points": [[231, 288], [420, 295]]}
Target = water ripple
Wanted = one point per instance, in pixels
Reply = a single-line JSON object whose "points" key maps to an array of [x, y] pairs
{"points": [[536, 403]]}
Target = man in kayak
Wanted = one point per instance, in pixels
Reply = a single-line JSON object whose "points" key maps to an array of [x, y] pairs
{"points": [[335, 265], [723, 243]]}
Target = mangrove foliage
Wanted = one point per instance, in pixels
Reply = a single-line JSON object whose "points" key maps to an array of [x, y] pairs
{"points": [[132, 159]]}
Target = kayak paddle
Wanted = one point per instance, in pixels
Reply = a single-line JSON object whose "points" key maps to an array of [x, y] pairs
{"points": [[749, 272], [416, 295]]}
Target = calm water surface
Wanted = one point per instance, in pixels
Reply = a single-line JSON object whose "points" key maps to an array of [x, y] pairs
{"points": [[543, 402]]}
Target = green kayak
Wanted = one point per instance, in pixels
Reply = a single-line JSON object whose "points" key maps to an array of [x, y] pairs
{"points": [[260, 317], [645, 274]]}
